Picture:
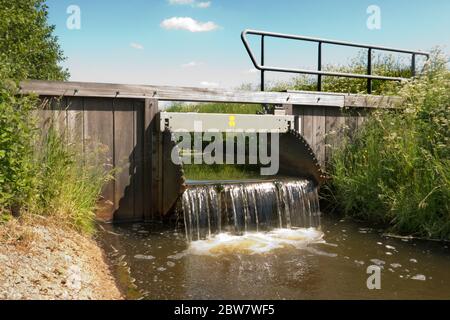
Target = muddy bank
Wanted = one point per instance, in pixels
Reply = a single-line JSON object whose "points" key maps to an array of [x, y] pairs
{"points": [[44, 261]]}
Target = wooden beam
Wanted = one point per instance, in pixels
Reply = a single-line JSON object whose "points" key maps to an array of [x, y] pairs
{"points": [[149, 158], [351, 100], [169, 93]]}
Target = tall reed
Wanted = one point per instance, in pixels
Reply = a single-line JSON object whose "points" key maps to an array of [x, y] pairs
{"points": [[396, 170]]}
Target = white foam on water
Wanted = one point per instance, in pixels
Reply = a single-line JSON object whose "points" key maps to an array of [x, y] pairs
{"points": [[419, 277], [256, 242]]}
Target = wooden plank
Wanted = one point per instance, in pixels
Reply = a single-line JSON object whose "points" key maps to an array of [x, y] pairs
{"points": [[138, 159], [308, 125], [334, 127], [357, 100], [351, 122], [99, 141], [369, 101], [158, 172], [75, 132], [362, 117], [123, 159], [170, 93], [44, 116], [319, 134], [59, 114], [150, 158]]}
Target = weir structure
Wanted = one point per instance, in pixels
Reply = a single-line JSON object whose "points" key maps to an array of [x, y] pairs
{"points": [[126, 121], [136, 136]]}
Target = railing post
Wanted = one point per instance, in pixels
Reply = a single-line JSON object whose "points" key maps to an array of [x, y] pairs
{"points": [[320, 73], [413, 65], [262, 63], [319, 68], [369, 71]]}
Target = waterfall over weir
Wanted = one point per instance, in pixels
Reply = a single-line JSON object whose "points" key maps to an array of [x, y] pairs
{"points": [[243, 207]]}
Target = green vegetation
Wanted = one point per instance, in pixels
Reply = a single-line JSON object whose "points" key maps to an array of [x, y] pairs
{"points": [[40, 173], [233, 108], [382, 65], [17, 134], [385, 65], [221, 172], [69, 183], [28, 50], [396, 170]]}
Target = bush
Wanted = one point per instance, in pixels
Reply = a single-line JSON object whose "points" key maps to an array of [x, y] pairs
{"points": [[396, 170], [40, 173], [17, 135], [236, 108], [28, 50], [382, 65]]}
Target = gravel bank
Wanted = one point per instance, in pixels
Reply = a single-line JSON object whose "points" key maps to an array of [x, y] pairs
{"points": [[40, 261]]}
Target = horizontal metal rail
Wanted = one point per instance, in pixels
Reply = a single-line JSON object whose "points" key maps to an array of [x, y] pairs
{"points": [[319, 72]]}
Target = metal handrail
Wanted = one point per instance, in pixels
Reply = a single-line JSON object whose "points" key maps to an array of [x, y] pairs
{"points": [[369, 76]]}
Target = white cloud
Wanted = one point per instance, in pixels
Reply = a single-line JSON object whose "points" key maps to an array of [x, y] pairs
{"points": [[137, 46], [193, 3], [209, 84], [203, 5], [251, 71], [189, 24], [181, 2], [191, 64]]}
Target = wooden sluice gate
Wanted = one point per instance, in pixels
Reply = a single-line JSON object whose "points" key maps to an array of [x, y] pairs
{"points": [[137, 138]]}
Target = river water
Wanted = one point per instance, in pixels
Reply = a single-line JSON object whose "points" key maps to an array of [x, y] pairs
{"points": [[253, 258]]}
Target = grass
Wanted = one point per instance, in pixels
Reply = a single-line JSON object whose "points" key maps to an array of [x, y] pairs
{"points": [[70, 183], [382, 65], [221, 172], [40, 172], [234, 108], [396, 171]]}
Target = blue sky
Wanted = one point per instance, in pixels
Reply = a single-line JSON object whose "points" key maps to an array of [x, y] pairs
{"points": [[197, 42]]}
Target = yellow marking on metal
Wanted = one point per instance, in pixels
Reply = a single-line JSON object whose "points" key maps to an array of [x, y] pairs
{"points": [[232, 121]]}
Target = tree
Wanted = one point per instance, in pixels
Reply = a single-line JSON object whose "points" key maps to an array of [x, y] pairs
{"points": [[28, 48]]}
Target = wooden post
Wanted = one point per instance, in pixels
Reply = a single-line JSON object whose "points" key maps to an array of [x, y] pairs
{"points": [[150, 111]]}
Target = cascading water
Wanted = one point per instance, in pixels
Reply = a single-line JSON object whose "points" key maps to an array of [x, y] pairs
{"points": [[240, 208]]}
